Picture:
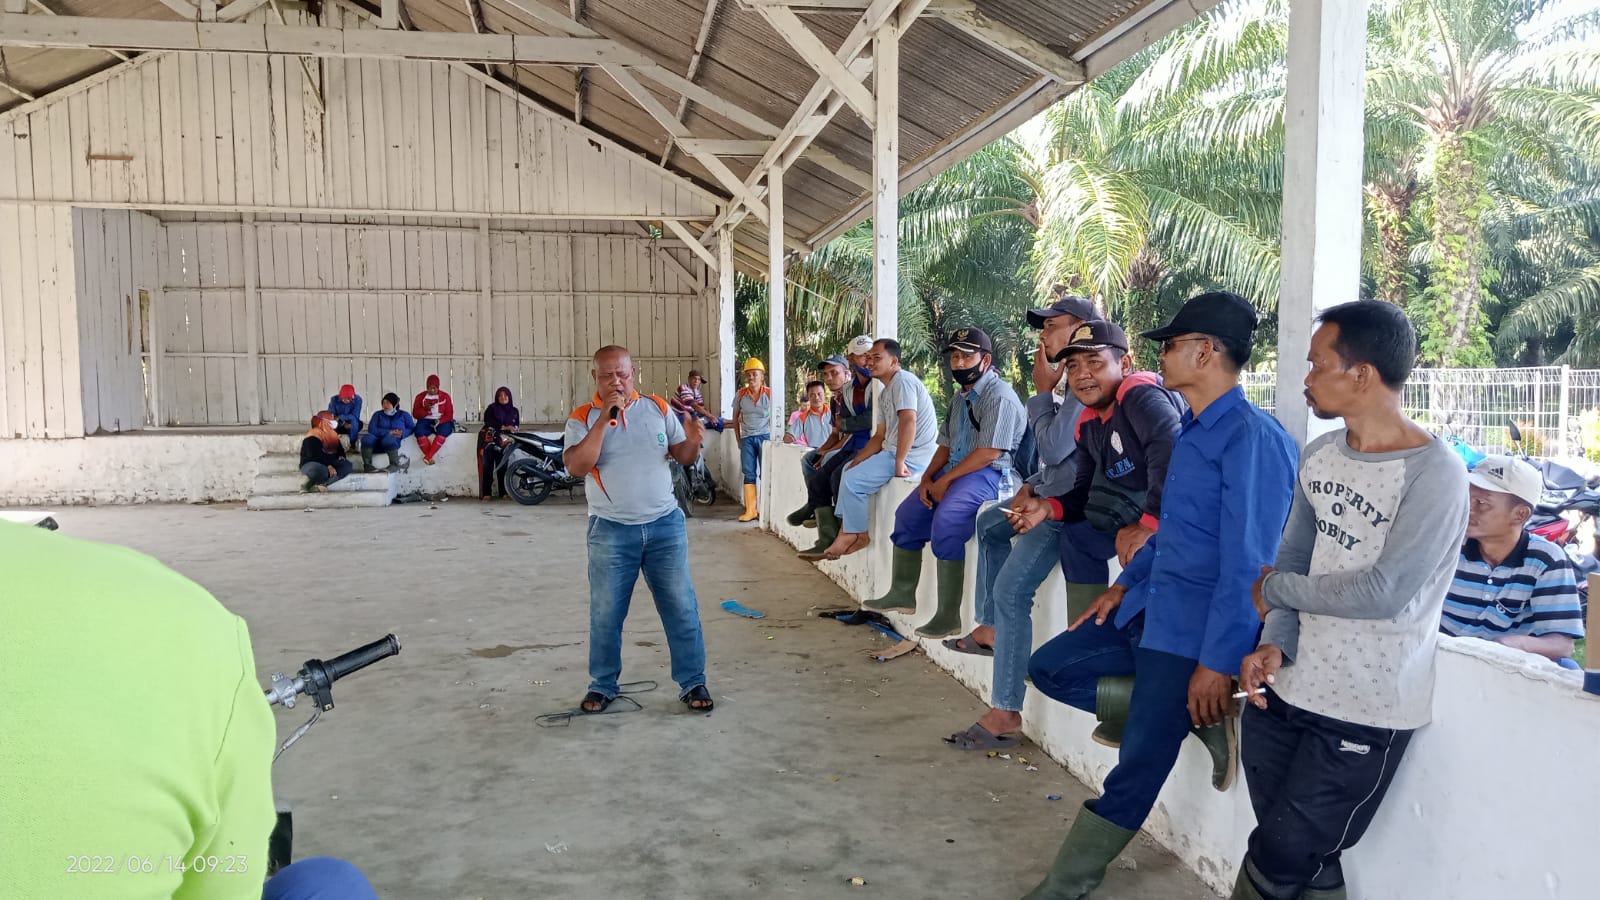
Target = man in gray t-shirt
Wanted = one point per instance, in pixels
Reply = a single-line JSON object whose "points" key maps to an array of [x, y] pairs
{"points": [[619, 442], [1345, 661], [904, 437]]}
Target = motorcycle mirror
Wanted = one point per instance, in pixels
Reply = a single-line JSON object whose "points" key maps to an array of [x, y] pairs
{"points": [[1516, 433]]}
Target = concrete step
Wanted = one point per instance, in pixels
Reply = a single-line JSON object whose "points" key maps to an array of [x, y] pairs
{"points": [[290, 482], [289, 463], [329, 500]]}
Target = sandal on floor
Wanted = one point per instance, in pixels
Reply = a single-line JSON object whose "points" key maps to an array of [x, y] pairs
{"points": [[595, 697], [698, 694], [968, 644], [980, 738]]}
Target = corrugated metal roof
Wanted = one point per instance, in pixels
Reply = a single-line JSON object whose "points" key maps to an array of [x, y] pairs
{"points": [[957, 91]]}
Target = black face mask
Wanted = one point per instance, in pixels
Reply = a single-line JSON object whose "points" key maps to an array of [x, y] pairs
{"points": [[968, 377]]}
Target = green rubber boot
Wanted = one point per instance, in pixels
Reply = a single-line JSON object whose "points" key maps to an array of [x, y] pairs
{"points": [[1222, 742], [1081, 862], [947, 618], [1113, 697], [366, 458], [1079, 597], [1337, 893], [1244, 890], [827, 530], [799, 515], [906, 572]]}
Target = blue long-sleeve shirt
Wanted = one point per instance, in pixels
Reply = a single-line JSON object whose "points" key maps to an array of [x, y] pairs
{"points": [[348, 413], [1229, 485], [384, 422]]}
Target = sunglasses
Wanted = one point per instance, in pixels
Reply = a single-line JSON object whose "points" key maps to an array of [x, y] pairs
{"points": [[1167, 345]]}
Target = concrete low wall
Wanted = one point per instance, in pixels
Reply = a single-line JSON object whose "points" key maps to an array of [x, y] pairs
{"points": [[1492, 803], [189, 466]]}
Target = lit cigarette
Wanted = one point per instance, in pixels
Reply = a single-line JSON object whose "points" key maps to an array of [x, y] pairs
{"points": [[1243, 694], [1009, 511]]}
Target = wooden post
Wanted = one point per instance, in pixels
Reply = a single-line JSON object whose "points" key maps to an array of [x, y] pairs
{"points": [[252, 315], [485, 312], [726, 364], [775, 304], [886, 182]]}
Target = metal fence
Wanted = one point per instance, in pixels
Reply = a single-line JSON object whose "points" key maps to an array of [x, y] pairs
{"points": [[1477, 405]]}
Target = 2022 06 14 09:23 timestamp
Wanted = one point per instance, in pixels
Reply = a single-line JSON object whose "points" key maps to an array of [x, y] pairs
{"points": [[137, 864]]}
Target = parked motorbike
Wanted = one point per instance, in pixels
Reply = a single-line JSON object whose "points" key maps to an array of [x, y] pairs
{"points": [[532, 467], [315, 680], [692, 485]]}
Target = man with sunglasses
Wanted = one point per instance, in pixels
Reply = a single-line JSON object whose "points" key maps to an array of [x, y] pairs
{"points": [[1180, 617]]}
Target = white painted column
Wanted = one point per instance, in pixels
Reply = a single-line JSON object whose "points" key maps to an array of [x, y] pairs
{"points": [[727, 365], [252, 317], [485, 313], [775, 298], [1322, 178], [886, 182]]}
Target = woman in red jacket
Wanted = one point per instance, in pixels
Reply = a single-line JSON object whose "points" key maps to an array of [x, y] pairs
{"points": [[436, 419]]}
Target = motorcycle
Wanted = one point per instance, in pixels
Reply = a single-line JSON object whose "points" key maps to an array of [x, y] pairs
{"points": [[315, 679], [532, 467], [692, 485]]}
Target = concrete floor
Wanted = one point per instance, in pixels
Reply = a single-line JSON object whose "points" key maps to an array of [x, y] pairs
{"points": [[818, 765]]}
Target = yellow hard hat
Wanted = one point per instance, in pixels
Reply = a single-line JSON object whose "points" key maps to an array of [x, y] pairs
{"points": [[753, 363]]}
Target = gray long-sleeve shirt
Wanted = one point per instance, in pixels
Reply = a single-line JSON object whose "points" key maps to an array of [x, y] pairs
{"points": [[1054, 435], [1366, 559]]}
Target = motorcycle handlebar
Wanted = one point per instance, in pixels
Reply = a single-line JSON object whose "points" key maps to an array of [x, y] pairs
{"points": [[361, 657]]}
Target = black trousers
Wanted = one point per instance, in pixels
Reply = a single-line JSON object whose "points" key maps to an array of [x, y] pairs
{"points": [[1315, 783], [822, 485], [488, 462]]}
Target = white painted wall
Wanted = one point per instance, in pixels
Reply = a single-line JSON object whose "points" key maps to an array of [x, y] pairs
{"points": [[115, 258], [1493, 801], [41, 391], [214, 131]]}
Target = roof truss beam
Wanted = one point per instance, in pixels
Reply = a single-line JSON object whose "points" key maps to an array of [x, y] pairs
{"points": [[1031, 52], [829, 66]]}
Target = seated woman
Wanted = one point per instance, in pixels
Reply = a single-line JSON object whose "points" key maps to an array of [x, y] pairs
{"points": [[321, 455], [346, 409], [436, 419], [388, 427], [499, 416]]}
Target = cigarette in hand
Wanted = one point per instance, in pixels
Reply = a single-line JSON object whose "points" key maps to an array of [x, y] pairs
{"points": [[1009, 511], [1243, 694]]}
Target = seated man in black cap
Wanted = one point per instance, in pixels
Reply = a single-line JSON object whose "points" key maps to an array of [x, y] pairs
{"points": [[1180, 617], [982, 427]]}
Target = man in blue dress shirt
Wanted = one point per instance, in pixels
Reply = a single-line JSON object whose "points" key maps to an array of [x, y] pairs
{"points": [[1180, 617]]}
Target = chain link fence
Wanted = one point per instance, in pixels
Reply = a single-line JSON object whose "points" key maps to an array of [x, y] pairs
{"points": [[1557, 409]]}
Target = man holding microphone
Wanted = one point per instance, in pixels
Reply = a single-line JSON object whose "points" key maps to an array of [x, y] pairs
{"points": [[620, 441]]}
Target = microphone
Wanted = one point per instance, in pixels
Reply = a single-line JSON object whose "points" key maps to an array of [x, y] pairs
{"points": [[612, 416]]}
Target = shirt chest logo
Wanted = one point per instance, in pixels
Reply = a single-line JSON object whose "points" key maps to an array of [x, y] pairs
{"points": [[1116, 441]]}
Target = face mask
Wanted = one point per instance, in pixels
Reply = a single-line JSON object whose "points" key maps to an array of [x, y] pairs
{"points": [[863, 371], [967, 377]]}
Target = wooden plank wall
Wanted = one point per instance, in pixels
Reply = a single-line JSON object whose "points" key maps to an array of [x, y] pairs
{"points": [[115, 258], [383, 306], [213, 131], [41, 391]]}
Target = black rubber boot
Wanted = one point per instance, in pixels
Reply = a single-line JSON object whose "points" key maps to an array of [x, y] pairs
{"points": [[1081, 862], [1113, 697], [951, 576], [800, 515], [905, 574], [827, 530]]}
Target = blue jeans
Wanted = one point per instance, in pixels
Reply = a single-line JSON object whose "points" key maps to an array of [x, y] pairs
{"points": [[750, 456], [1086, 553], [426, 427], [318, 878], [861, 482], [617, 553], [1009, 574], [1066, 670], [317, 473], [951, 522]]}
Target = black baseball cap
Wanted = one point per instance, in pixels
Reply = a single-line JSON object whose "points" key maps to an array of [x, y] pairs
{"points": [[1070, 305], [969, 340], [1221, 313], [1097, 335]]}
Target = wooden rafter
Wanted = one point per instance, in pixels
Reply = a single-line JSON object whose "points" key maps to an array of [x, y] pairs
{"points": [[701, 42]]}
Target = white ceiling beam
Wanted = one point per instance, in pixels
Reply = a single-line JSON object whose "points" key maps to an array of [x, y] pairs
{"points": [[580, 77], [8, 86], [238, 9], [700, 40], [641, 63], [825, 160], [724, 147], [39, 5], [16, 6], [141, 34], [1031, 52], [675, 127], [681, 231], [816, 54], [183, 8], [833, 7], [389, 14]]}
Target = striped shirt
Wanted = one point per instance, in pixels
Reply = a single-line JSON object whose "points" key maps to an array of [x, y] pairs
{"points": [[986, 416], [1533, 591]]}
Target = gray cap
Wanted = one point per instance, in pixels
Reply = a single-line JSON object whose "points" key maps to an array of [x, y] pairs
{"points": [[837, 360]]}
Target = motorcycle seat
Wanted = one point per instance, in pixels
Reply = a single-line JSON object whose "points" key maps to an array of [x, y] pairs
{"points": [[550, 437]]}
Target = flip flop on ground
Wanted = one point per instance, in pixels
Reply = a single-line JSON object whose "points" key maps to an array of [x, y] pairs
{"points": [[968, 644], [980, 738]]}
